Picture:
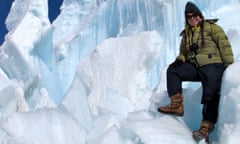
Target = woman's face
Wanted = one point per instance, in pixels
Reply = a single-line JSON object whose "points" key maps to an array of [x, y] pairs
{"points": [[193, 19]]}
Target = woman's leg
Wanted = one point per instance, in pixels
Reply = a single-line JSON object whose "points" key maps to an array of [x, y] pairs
{"points": [[175, 76], [211, 76]]}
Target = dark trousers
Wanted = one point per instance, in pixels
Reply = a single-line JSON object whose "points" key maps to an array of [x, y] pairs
{"points": [[210, 77]]}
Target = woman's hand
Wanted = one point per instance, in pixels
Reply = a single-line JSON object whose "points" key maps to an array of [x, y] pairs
{"points": [[176, 64]]}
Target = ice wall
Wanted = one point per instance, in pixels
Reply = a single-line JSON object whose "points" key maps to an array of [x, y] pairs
{"points": [[56, 50], [73, 64], [90, 23]]}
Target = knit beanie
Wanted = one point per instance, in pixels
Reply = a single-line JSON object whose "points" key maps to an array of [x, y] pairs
{"points": [[192, 8]]}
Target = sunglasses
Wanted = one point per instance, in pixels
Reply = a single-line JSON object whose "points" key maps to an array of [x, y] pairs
{"points": [[190, 16]]}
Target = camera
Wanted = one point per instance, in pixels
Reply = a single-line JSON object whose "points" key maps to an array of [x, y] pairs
{"points": [[193, 47]]}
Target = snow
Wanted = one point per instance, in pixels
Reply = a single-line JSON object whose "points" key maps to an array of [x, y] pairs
{"points": [[97, 74]]}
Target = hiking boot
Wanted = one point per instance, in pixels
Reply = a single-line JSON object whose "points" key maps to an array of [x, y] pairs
{"points": [[175, 107], [203, 132]]}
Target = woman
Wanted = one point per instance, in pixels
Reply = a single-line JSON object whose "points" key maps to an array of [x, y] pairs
{"points": [[205, 52]]}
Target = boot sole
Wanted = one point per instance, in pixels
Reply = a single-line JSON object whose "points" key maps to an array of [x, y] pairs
{"points": [[172, 113], [198, 136]]}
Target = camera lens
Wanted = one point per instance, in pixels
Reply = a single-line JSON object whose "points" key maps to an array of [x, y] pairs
{"points": [[193, 47]]}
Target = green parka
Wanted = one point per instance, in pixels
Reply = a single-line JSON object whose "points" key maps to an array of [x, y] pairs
{"points": [[213, 45]]}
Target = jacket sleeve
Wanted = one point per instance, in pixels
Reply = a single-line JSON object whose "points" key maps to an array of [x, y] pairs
{"points": [[181, 51], [223, 44]]}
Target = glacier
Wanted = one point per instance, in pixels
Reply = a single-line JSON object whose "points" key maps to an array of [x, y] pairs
{"points": [[96, 74]]}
